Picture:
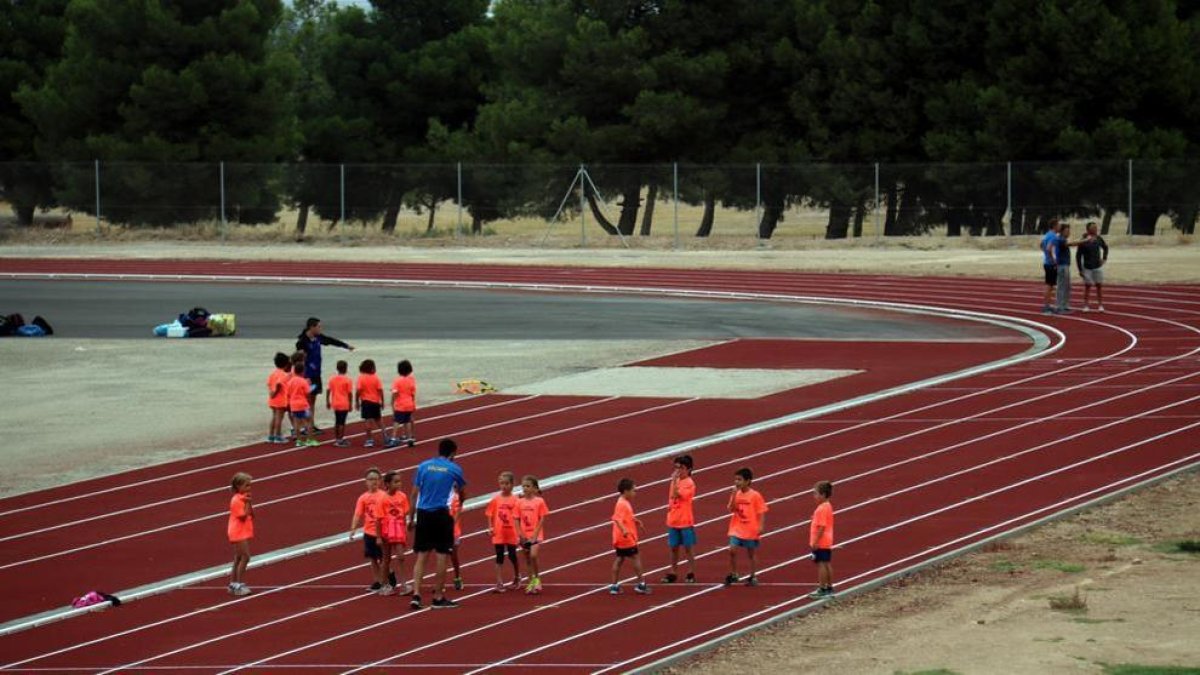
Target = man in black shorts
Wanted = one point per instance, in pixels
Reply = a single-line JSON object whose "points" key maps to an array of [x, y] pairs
{"points": [[435, 479]]}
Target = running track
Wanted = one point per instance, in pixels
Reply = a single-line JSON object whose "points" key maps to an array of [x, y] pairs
{"points": [[1114, 403]]}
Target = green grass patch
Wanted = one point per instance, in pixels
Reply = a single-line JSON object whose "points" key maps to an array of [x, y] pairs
{"points": [[1137, 669], [1005, 566], [1105, 538], [1084, 619], [933, 671], [1069, 603], [1060, 565], [1180, 546]]}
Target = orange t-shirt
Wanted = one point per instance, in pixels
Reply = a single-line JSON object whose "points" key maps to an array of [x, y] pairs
{"points": [[340, 389], [623, 514], [748, 506], [532, 511], [392, 506], [822, 516], [404, 393], [502, 513], [277, 396], [364, 510], [298, 388], [679, 508], [455, 508], [370, 388], [241, 522]]}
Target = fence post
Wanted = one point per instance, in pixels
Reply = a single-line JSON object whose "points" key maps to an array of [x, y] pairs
{"points": [[97, 165], [1009, 205], [757, 200], [223, 224], [342, 196], [1129, 228], [876, 200], [459, 224], [675, 188]]}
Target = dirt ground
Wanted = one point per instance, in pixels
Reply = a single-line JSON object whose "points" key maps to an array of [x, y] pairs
{"points": [[985, 613]]}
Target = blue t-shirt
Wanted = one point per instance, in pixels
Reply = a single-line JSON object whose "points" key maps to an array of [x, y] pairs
{"points": [[1049, 239], [435, 479], [312, 355], [1063, 252]]}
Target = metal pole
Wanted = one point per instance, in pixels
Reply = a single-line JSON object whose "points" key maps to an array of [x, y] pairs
{"points": [[342, 193], [876, 200], [458, 225], [1011, 216], [675, 180], [97, 195], [1129, 228], [582, 206], [757, 197], [223, 224]]}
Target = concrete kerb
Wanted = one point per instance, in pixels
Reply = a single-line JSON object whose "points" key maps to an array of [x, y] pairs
{"points": [[907, 571], [1037, 332]]}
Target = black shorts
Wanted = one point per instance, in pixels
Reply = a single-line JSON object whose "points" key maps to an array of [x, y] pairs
{"points": [[501, 549], [402, 417], [1051, 274], [371, 410], [626, 552], [339, 417], [371, 547], [317, 388], [821, 555], [435, 532]]}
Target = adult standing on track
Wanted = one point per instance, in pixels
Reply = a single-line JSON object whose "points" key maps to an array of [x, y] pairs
{"points": [[1062, 254], [1049, 246], [1090, 259], [436, 479], [310, 341]]}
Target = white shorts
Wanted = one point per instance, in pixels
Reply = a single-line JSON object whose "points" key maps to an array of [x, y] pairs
{"points": [[1093, 277]]}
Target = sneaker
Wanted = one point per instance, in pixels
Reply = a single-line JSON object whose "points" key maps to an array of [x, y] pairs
{"points": [[458, 583], [342, 443], [1087, 308], [614, 590], [1046, 309], [375, 586], [312, 442], [272, 439], [1100, 308], [690, 578], [241, 589], [499, 588], [411, 442], [301, 444], [444, 603], [821, 594], [642, 589], [731, 579], [232, 587], [387, 589], [408, 588], [390, 442], [370, 443], [669, 579], [416, 602], [751, 580], [1064, 310]]}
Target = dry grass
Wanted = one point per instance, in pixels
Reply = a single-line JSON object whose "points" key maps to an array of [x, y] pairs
{"points": [[1069, 603]]}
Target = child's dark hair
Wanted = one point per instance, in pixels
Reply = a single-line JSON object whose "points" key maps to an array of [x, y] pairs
{"points": [[282, 360], [624, 485], [298, 368], [532, 479], [389, 477], [685, 461], [239, 479], [372, 470], [404, 368], [512, 477], [367, 366], [312, 321], [447, 447], [341, 367], [824, 488], [746, 474]]}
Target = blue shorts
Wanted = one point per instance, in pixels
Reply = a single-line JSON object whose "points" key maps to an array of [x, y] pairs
{"points": [[743, 543], [301, 414], [402, 417], [371, 547], [821, 555], [681, 536]]}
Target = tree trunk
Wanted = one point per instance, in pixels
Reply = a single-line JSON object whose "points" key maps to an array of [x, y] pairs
{"points": [[772, 214], [1185, 221], [860, 214], [648, 214], [839, 221], [710, 210], [302, 220], [890, 224], [432, 206], [24, 214], [995, 222], [1144, 219], [598, 214], [1106, 221], [631, 201], [953, 223], [391, 215], [910, 208], [476, 223]]}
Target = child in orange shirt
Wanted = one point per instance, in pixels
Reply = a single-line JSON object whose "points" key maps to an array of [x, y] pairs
{"points": [[391, 511], [456, 514], [368, 398], [277, 399], [364, 515], [338, 398], [533, 512], [502, 514], [749, 517], [820, 540], [681, 521], [240, 530], [298, 388], [404, 405], [625, 538]]}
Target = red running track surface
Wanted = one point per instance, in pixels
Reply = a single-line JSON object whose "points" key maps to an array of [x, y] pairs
{"points": [[918, 475]]}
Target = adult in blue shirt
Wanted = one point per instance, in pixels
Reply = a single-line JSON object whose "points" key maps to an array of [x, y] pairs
{"points": [[1049, 246], [435, 479], [309, 341]]}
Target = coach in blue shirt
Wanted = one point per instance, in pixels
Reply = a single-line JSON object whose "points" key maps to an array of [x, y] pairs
{"points": [[436, 478]]}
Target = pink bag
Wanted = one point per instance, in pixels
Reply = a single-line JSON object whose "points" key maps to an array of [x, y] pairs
{"points": [[393, 530], [87, 600]]}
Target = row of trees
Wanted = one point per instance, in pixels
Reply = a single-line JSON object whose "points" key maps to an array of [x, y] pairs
{"points": [[533, 83]]}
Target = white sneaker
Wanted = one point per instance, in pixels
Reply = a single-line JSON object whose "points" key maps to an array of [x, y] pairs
{"points": [[241, 589], [1087, 308], [1100, 308], [387, 589]]}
